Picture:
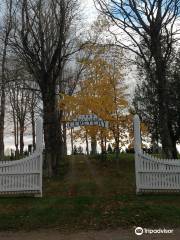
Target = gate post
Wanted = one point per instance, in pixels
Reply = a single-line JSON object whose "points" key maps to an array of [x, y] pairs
{"points": [[39, 135], [39, 149], [137, 148]]}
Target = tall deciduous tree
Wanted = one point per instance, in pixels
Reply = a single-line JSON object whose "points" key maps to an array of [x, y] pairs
{"points": [[43, 40], [154, 22], [6, 28], [147, 107], [102, 92], [19, 98]]}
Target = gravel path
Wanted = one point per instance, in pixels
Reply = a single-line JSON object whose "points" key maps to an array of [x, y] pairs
{"points": [[119, 234]]}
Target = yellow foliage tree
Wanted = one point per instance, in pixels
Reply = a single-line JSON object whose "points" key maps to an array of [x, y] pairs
{"points": [[101, 92]]}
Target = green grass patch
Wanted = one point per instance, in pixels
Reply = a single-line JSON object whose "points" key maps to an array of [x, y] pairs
{"points": [[90, 194]]}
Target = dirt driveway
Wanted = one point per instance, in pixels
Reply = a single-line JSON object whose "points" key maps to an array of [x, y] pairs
{"points": [[119, 234]]}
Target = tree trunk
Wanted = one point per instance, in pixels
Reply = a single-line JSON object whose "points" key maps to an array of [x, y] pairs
{"points": [[103, 148], [3, 99], [21, 139], [93, 145], [87, 144], [117, 142], [64, 140], [33, 131], [161, 84], [117, 151], [174, 140], [2, 116], [17, 139], [16, 135], [102, 144], [52, 139], [175, 154], [105, 143], [155, 139], [167, 145], [72, 142], [3, 80]]}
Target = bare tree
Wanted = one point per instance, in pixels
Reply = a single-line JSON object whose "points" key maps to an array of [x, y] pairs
{"points": [[5, 32], [43, 40], [33, 108], [153, 22], [23, 102], [19, 99], [15, 127]]}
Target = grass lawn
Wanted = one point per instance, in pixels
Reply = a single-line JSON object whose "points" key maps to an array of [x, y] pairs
{"points": [[91, 194]]}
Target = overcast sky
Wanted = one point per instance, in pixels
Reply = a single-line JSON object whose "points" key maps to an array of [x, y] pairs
{"points": [[89, 14], [90, 11]]}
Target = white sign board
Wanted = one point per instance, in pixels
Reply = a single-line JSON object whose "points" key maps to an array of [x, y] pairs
{"points": [[87, 120]]}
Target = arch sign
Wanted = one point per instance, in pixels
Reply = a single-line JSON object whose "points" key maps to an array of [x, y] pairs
{"points": [[88, 120]]}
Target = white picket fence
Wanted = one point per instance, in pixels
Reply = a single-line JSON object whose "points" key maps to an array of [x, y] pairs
{"points": [[24, 176], [152, 174]]}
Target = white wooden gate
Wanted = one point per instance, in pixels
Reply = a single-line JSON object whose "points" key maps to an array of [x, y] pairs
{"points": [[152, 174], [24, 176]]}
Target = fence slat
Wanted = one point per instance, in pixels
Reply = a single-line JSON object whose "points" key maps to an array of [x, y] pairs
{"points": [[21, 176]]}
